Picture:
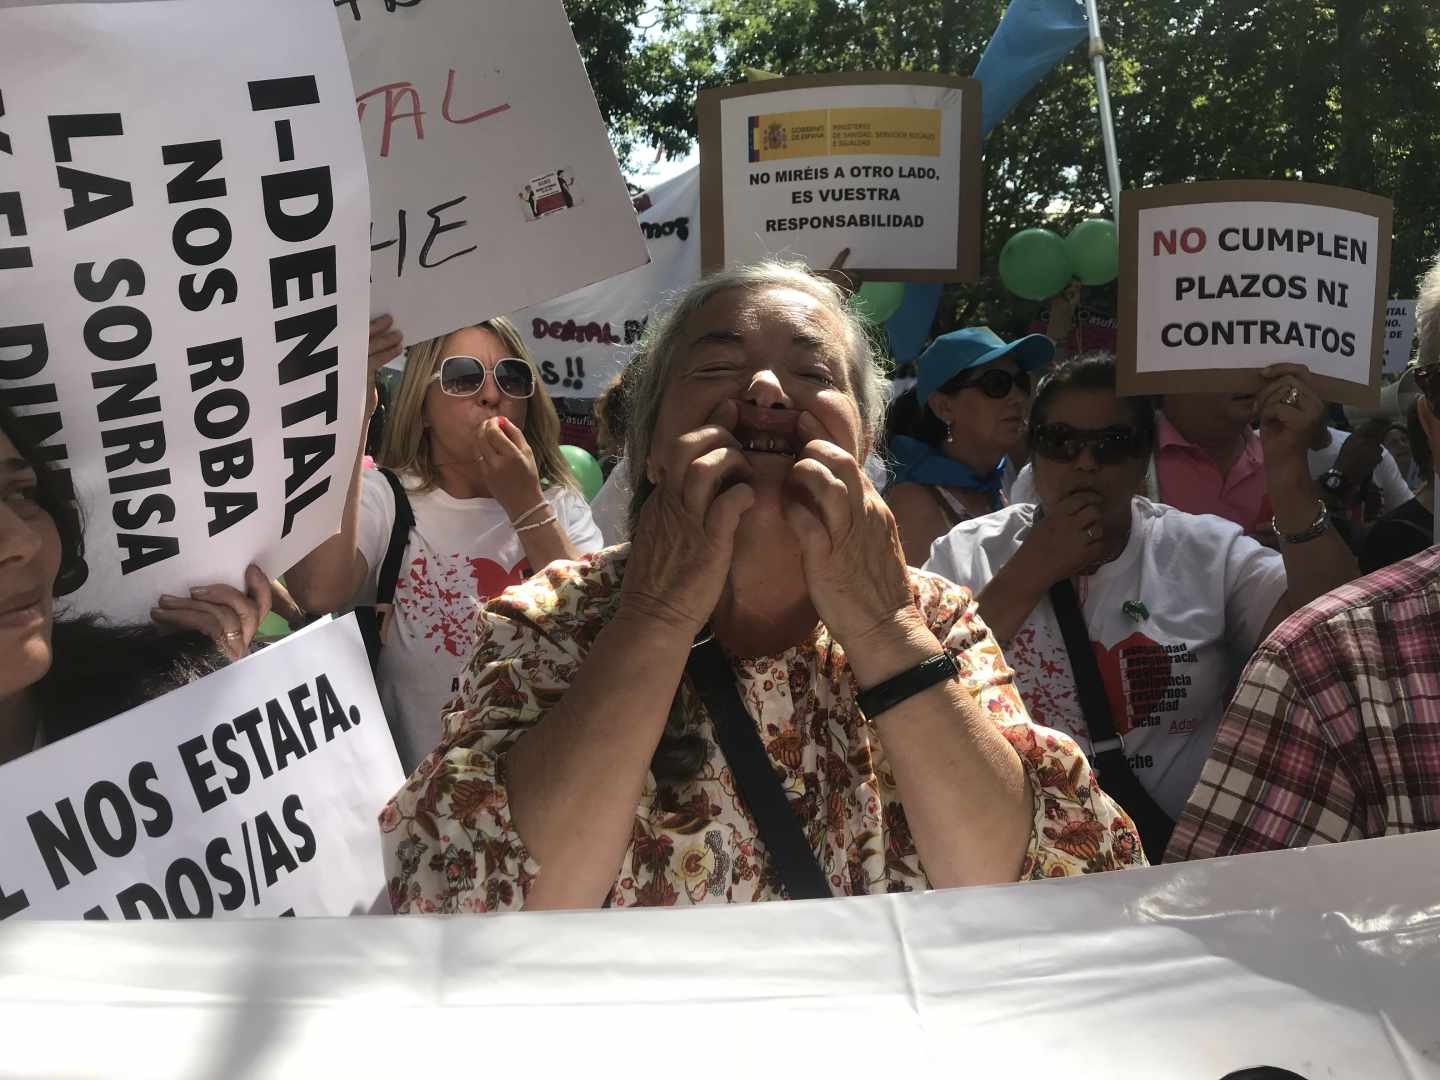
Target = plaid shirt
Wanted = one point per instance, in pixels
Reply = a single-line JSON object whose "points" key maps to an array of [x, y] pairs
{"points": [[1334, 732]]}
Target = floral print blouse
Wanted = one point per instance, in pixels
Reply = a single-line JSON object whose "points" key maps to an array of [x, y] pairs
{"points": [[450, 844]]}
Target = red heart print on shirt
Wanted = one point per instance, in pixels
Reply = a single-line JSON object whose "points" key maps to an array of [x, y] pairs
{"points": [[1136, 673], [491, 579], [439, 598]]}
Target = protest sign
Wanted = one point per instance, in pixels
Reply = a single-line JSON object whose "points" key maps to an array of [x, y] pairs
{"points": [[886, 164], [492, 179], [1220, 279], [251, 792], [1399, 335], [581, 341], [183, 210]]}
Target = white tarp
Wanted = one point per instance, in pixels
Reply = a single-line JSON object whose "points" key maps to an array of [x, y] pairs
{"points": [[183, 216], [252, 792], [581, 341], [1325, 962], [493, 179]]}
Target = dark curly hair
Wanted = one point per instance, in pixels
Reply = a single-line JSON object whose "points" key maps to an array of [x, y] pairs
{"points": [[56, 496], [99, 670]]}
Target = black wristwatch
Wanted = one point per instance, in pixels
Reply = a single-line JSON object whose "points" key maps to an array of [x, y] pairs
{"points": [[907, 684], [1334, 482]]}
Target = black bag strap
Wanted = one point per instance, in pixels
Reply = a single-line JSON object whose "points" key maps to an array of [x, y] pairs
{"points": [[755, 778], [1107, 747], [399, 540], [372, 619]]}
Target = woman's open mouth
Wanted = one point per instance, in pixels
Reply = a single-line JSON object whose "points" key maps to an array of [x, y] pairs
{"points": [[760, 442], [768, 431]]}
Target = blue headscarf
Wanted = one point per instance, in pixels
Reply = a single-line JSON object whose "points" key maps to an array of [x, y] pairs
{"points": [[919, 463]]}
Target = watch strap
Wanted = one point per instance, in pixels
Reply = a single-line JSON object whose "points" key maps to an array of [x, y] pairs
{"points": [[897, 688]]}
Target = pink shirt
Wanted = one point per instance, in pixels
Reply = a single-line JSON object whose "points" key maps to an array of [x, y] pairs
{"points": [[1189, 479]]}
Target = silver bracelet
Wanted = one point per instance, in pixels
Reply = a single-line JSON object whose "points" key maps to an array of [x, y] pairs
{"points": [[551, 520], [1316, 527]]}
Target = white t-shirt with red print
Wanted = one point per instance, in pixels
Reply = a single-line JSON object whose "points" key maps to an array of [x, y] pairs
{"points": [[461, 553], [1172, 622]]}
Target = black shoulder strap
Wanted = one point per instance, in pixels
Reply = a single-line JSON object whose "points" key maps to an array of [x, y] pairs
{"points": [[399, 540], [1107, 749], [755, 777], [372, 619]]}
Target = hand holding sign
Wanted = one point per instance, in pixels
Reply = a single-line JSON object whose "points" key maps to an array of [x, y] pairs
{"points": [[386, 342], [227, 616], [1289, 412]]}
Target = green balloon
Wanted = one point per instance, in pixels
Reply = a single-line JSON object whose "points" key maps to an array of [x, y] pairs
{"points": [[876, 301], [1094, 251], [585, 468], [1033, 264]]}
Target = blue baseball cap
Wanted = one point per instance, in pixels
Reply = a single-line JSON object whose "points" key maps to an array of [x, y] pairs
{"points": [[960, 350]]}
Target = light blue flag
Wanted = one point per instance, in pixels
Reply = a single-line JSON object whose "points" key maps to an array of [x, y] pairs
{"points": [[1031, 39], [909, 328]]}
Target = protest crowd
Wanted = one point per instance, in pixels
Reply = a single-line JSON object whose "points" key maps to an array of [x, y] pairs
{"points": [[809, 618]]}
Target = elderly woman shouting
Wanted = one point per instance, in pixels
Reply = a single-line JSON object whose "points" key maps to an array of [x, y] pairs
{"points": [[592, 756]]}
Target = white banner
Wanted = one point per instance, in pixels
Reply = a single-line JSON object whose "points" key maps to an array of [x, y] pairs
{"points": [[884, 165], [492, 177], [1324, 962], [581, 341], [183, 213], [251, 792], [1399, 335]]}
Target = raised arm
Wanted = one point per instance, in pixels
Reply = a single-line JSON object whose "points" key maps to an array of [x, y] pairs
{"points": [[327, 578], [1060, 545], [576, 778], [513, 478], [966, 795], [1289, 412]]}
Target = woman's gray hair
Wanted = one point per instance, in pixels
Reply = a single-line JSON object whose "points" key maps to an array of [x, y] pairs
{"points": [[664, 341], [1427, 318]]}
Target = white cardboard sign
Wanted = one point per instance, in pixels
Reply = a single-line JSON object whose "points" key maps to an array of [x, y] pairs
{"points": [[253, 792], [1222, 279], [1399, 335], [583, 340], [183, 214], [493, 181], [884, 164]]}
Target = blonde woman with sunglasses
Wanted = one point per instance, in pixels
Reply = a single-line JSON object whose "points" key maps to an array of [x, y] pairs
{"points": [[475, 441]]}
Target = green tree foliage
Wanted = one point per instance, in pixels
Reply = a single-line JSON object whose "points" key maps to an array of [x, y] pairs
{"points": [[1345, 92]]}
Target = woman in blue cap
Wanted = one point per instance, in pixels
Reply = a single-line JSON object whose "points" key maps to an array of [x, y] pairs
{"points": [[974, 391]]}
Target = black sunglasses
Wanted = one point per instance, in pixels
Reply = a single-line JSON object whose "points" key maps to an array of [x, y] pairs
{"points": [[1063, 443], [993, 383], [464, 376]]}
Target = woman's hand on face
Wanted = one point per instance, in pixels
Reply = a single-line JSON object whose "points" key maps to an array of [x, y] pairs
{"points": [[508, 465], [854, 564], [227, 616], [1069, 539], [1290, 413], [683, 542]]}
